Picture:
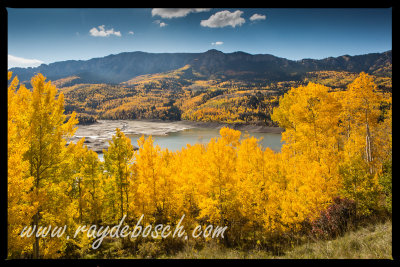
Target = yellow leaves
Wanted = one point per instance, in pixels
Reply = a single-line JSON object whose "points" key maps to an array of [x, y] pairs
{"points": [[19, 182], [229, 181], [69, 127], [40, 159], [230, 136], [155, 188], [117, 161], [325, 130]]}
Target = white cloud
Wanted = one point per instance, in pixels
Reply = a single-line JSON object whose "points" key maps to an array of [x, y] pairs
{"points": [[223, 19], [168, 13], [131, 32], [218, 43], [101, 32], [258, 17], [160, 23], [14, 61]]}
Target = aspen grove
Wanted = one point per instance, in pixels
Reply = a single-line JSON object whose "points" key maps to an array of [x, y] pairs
{"points": [[337, 144]]}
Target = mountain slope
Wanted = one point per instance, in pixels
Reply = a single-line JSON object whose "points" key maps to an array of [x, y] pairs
{"points": [[109, 69], [208, 65]]}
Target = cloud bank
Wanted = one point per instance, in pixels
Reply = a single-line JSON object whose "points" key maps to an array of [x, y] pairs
{"points": [[14, 61], [217, 43]]}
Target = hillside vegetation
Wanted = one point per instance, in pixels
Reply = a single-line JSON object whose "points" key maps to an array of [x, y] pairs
{"points": [[369, 242], [212, 86], [174, 96], [334, 171]]}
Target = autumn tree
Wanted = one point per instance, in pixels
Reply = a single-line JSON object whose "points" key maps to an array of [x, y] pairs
{"points": [[117, 161], [219, 202], [367, 141], [310, 116], [46, 137], [149, 175], [20, 208], [94, 193], [335, 143]]}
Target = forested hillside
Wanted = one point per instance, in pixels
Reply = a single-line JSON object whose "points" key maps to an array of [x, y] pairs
{"points": [[176, 95], [333, 172], [211, 86]]}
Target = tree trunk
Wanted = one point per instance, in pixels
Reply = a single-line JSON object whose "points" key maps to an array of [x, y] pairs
{"points": [[368, 152], [36, 244]]}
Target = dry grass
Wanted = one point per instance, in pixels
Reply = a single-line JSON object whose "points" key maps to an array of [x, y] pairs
{"points": [[373, 241], [370, 242]]}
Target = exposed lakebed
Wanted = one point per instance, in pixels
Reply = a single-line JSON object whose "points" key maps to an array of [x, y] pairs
{"points": [[172, 134]]}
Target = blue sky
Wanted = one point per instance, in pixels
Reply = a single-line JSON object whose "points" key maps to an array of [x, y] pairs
{"points": [[38, 36]]}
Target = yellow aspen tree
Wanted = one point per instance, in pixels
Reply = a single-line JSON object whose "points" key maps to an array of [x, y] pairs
{"points": [[361, 112], [187, 173], [20, 210], [219, 205], [252, 183], [92, 182], [117, 162], [167, 187], [310, 116], [148, 170], [311, 153], [361, 128], [73, 172], [46, 153], [273, 191], [384, 153]]}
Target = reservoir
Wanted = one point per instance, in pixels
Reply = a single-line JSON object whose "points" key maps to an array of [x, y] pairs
{"points": [[171, 135]]}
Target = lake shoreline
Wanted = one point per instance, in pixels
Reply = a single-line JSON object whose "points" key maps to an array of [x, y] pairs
{"points": [[99, 133], [212, 125], [236, 126]]}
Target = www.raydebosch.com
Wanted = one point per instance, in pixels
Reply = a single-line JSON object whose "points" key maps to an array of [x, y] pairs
{"points": [[98, 233]]}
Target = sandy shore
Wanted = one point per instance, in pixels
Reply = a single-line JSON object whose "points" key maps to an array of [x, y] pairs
{"points": [[219, 125], [98, 134]]}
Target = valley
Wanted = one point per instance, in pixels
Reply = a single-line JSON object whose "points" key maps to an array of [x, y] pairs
{"points": [[233, 88]]}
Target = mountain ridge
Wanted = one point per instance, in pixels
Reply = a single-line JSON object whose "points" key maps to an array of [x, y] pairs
{"points": [[121, 67]]}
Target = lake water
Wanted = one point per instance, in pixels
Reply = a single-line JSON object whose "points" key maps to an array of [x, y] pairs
{"points": [[171, 135], [176, 140]]}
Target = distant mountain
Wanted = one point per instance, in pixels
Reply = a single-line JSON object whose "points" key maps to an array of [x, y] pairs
{"points": [[109, 69], [208, 65]]}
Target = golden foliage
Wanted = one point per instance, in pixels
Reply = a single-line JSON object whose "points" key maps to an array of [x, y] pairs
{"points": [[335, 144]]}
